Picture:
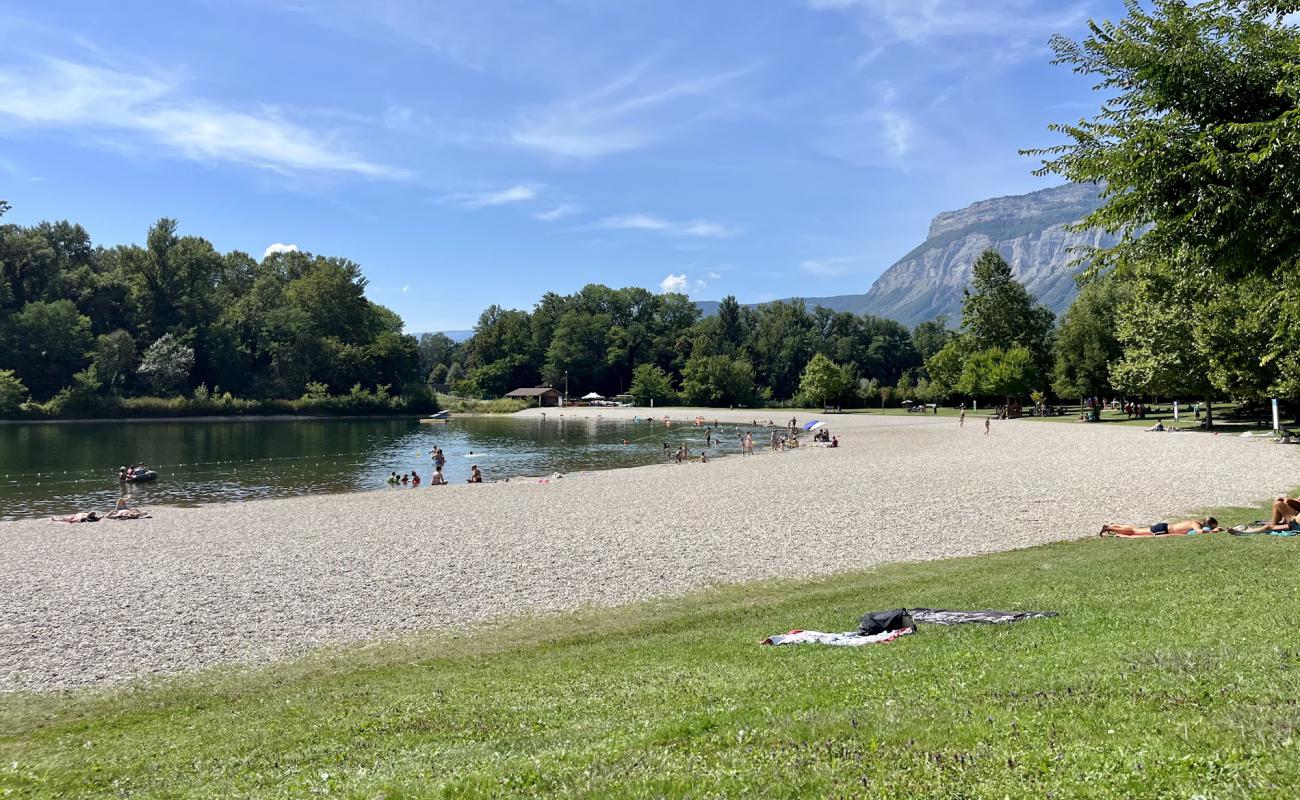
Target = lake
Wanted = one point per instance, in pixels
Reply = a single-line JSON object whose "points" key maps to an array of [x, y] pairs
{"points": [[58, 468]]}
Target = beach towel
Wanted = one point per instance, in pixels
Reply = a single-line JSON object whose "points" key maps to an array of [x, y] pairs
{"points": [[846, 639], [1245, 530], [940, 616]]}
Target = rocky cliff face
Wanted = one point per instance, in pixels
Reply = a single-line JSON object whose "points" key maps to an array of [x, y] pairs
{"points": [[1028, 230]]}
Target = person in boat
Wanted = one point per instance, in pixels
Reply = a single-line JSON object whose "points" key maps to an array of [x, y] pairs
{"points": [[475, 476], [1187, 527]]}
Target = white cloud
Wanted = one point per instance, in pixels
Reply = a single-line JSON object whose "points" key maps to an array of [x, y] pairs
{"points": [[714, 276], [627, 113], [698, 228], [63, 94], [279, 247], [673, 284], [559, 212], [519, 193], [406, 289]]}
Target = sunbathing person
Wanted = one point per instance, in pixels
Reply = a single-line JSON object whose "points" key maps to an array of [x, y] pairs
{"points": [[1185, 528], [1286, 517]]}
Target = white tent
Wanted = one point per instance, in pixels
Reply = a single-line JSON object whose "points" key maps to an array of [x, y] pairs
{"points": [[593, 396]]}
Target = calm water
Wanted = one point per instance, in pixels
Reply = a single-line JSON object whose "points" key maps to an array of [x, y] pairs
{"points": [[61, 468]]}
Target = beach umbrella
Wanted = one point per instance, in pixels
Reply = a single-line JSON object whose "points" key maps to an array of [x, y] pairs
{"points": [[593, 396], [816, 425], [810, 425]]}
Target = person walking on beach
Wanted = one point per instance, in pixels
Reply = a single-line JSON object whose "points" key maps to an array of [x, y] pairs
{"points": [[987, 423], [961, 423], [749, 444]]}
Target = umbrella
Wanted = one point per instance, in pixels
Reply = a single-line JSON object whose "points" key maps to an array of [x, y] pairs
{"points": [[817, 425], [810, 425], [593, 396]]}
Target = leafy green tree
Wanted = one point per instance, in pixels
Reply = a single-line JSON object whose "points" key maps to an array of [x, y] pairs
{"points": [[995, 372], [436, 350], [1087, 343], [945, 366], [651, 385], [578, 348], [781, 344], [998, 311], [455, 373], [1161, 354], [49, 342], [718, 381], [114, 358], [822, 380], [12, 391], [166, 364], [930, 337]]}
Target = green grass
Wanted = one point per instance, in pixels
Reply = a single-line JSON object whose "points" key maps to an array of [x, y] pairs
{"points": [[1173, 671]]}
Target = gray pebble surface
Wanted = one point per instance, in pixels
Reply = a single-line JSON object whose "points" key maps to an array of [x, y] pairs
{"points": [[247, 583]]}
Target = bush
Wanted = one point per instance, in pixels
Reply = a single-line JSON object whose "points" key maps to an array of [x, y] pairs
{"points": [[465, 405], [12, 393]]}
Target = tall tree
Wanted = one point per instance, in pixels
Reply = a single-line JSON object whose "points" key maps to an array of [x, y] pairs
{"points": [[1087, 343]]}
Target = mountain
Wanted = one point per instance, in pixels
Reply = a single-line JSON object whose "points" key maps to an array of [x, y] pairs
{"points": [[1027, 229]]}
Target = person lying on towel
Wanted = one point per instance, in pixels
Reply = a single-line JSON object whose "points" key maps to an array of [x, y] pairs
{"points": [[1286, 511], [1187, 527]]}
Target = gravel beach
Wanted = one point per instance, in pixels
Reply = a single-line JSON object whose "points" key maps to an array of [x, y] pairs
{"points": [[247, 583]]}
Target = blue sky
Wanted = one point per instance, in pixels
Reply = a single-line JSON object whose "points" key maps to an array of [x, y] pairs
{"points": [[469, 153]]}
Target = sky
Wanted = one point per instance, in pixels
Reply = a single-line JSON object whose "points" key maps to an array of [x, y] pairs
{"points": [[480, 152]]}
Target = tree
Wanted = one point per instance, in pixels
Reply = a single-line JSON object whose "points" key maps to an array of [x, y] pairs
{"points": [[930, 337], [1195, 150], [718, 381], [998, 311], [1087, 343], [1161, 354], [49, 342], [998, 373], [822, 380], [166, 364], [12, 390], [651, 385], [114, 358]]}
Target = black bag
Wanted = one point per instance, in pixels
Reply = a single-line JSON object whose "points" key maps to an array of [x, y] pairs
{"points": [[876, 622]]}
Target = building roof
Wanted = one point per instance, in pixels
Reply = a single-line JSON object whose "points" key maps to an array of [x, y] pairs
{"points": [[536, 391]]}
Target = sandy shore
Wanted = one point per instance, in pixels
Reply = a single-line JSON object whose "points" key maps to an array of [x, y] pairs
{"points": [[95, 604]]}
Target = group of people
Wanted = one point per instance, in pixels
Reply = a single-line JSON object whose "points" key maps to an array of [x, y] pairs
{"points": [[413, 478], [1285, 517]]}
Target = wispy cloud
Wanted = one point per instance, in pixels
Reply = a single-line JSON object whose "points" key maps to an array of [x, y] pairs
{"points": [[917, 21], [59, 94], [279, 247], [629, 112], [519, 193], [883, 134], [698, 228], [830, 267], [561, 211]]}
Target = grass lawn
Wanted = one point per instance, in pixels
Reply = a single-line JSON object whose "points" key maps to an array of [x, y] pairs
{"points": [[1173, 671]]}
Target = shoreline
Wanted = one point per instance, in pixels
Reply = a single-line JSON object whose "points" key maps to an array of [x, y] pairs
{"points": [[253, 582]]}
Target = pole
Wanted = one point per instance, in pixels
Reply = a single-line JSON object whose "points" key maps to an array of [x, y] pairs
{"points": [[1175, 411], [1276, 425]]}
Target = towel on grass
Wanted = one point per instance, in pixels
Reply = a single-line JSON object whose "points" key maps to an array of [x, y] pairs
{"points": [[941, 616], [846, 639]]}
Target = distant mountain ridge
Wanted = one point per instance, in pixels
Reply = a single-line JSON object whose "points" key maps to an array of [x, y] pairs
{"points": [[1029, 230]]}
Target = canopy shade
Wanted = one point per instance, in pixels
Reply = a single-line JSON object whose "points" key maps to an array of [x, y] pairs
{"points": [[810, 425], [593, 396]]}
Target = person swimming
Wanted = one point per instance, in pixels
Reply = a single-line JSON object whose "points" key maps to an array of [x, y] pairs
{"points": [[393, 480]]}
